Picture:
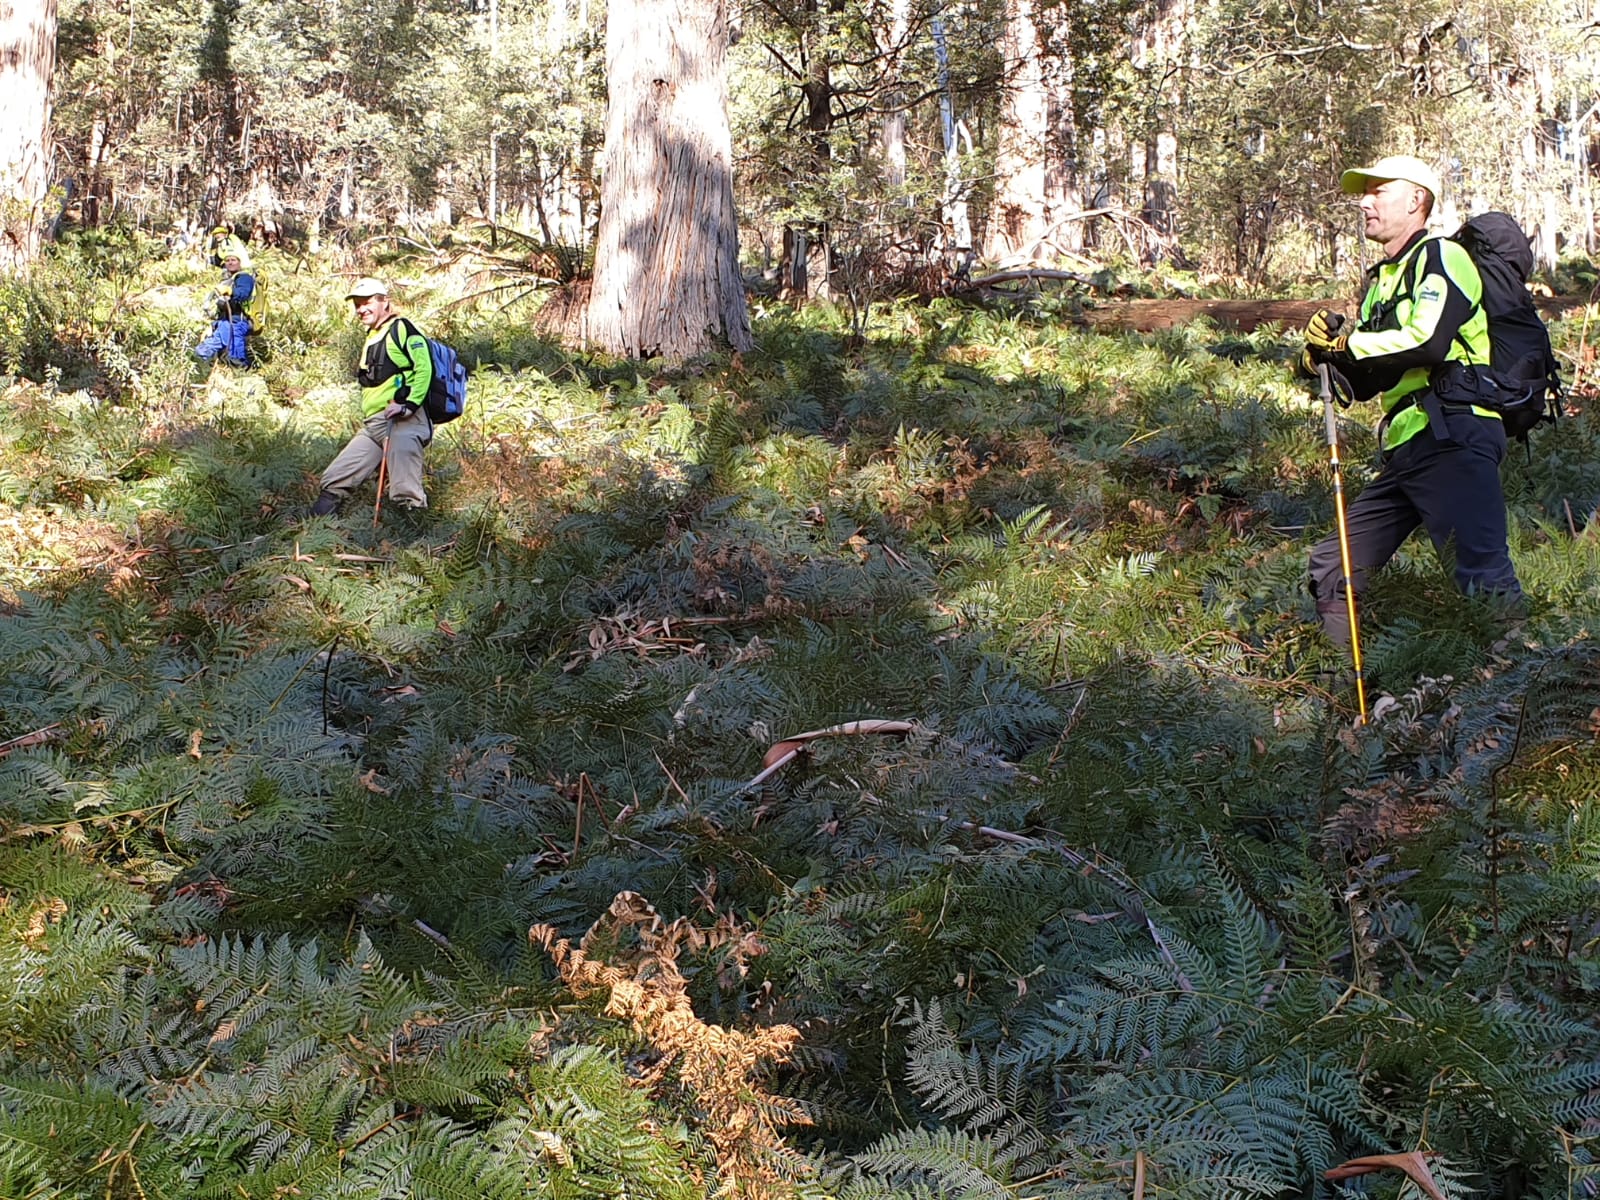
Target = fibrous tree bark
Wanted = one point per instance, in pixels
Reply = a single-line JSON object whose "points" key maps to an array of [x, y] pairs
{"points": [[1018, 220], [27, 59], [666, 277], [1038, 210]]}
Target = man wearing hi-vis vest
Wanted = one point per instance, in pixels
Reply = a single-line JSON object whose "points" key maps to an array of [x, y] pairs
{"points": [[1420, 322], [394, 371]]}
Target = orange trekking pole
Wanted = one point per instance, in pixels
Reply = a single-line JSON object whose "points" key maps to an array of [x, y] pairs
{"points": [[1325, 386], [383, 475]]}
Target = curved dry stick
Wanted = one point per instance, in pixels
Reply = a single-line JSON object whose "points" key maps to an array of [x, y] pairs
{"points": [[1414, 1165]]}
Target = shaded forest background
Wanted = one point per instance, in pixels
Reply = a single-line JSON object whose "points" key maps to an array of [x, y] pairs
{"points": [[895, 761], [876, 144]]}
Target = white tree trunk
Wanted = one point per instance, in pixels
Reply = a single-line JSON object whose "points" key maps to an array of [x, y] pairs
{"points": [[666, 277], [958, 227], [1018, 220], [893, 137], [27, 59]]}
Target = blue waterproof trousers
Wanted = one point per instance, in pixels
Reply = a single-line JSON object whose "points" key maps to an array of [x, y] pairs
{"points": [[226, 337], [1452, 489]]}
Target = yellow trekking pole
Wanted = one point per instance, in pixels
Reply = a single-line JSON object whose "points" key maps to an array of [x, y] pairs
{"points": [[383, 476], [1330, 417]]}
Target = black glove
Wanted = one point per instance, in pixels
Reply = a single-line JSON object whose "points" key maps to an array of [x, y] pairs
{"points": [[1323, 338]]}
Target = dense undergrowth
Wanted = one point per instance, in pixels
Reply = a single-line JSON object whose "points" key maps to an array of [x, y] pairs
{"points": [[303, 820]]}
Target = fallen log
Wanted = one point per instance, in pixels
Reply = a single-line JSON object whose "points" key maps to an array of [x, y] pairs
{"points": [[1146, 316]]}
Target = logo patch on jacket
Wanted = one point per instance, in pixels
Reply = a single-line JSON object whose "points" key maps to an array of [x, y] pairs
{"points": [[1429, 292]]}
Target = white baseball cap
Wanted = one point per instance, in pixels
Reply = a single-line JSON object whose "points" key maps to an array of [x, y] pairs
{"points": [[1396, 166], [365, 287]]}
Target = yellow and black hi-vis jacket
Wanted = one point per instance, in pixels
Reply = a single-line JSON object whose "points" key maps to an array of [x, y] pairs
{"points": [[1422, 309], [395, 367]]}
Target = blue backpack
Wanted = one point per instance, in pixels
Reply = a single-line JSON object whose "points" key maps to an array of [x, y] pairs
{"points": [[447, 394]]}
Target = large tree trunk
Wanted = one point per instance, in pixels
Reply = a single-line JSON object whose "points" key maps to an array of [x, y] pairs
{"points": [[666, 276], [27, 58]]}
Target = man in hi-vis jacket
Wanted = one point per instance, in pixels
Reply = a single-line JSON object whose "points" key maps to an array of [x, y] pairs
{"points": [[394, 371], [1421, 322]]}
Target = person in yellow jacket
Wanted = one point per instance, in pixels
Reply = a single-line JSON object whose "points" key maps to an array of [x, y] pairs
{"points": [[222, 242], [394, 372], [1420, 331]]}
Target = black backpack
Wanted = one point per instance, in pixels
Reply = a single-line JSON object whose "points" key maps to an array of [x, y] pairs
{"points": [[1523, 382]]}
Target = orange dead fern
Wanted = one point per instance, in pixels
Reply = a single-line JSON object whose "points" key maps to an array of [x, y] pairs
{"points": [[738, 1115]]}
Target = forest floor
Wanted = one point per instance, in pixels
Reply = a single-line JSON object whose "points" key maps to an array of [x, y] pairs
{"points": [[871, 767]]}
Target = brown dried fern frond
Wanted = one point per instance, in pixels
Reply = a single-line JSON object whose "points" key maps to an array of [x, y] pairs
{"points": [[740, 1118]]}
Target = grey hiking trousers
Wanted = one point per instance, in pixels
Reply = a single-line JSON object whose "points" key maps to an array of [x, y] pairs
{"points": [[364, 454]]}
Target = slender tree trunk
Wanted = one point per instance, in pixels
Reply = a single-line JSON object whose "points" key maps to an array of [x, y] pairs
{"points": [[1159, 50], [893, 138], [494, 129], [27, 59], [216, 69], [958, 227], [805, 266], [1063, 172], [666, 278]]}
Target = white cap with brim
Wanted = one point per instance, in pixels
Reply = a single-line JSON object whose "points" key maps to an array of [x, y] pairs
{"points": [[363, 288], [1396, 166]]}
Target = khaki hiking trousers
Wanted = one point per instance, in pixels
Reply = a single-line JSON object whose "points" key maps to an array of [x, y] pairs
{"points": [[363, 454]]}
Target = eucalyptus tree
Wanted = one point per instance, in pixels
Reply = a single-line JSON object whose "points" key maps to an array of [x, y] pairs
{"points": [[1278, 95], [666, 276], [348, 110], [838, 114], [1068, 92], [27, 59]]}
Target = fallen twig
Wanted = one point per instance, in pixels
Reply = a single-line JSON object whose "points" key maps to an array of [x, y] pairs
{"points": [[37, 738], [785, 751]]}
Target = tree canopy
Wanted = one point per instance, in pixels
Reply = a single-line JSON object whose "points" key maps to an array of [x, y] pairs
{"points": [[1206, 134]]}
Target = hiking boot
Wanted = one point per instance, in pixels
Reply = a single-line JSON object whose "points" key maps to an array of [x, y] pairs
{"points": [[325, 505]]}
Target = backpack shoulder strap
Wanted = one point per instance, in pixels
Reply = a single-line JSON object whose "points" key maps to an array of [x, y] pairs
{"points": [[1433, 254], [1416, 257], [400, 331]]}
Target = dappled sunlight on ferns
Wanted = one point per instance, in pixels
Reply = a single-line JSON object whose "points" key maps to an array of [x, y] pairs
{"points": [[1081, 872]]}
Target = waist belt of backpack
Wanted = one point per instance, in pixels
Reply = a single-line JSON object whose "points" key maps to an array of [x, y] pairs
{"points": [[1428, 403], [1428, 400]]}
